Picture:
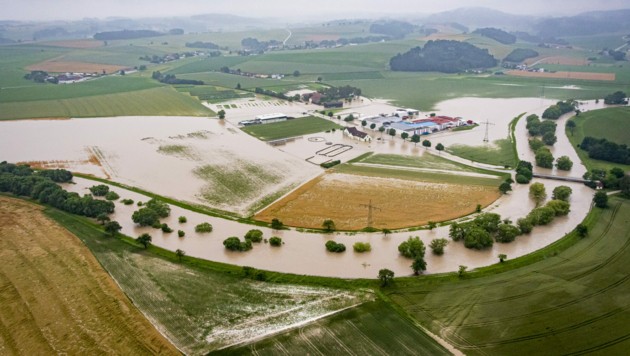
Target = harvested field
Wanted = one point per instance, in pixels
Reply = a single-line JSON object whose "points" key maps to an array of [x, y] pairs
{"points": [[401, 203], [55, 298], [61, 66], [564, 75], [571, 61]]}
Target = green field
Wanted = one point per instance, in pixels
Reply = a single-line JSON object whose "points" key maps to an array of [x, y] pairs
{"points": [[427, 161], [290, 128], [202, 309], [161, 101], [502, 154], [370, 171], [213, 94], [371, 329], [604, 123], [572, 302]]}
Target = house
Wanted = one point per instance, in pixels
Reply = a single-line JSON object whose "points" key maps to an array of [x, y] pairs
{"points": [[356, 134]]}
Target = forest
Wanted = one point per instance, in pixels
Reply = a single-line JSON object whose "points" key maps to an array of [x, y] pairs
{"points": [[443, 56]]}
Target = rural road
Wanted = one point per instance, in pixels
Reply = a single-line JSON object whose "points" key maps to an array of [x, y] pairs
{"points": [[284, 43]]}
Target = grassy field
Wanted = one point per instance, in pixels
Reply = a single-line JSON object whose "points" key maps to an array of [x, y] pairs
{"points": [[213, 94], [163, 101], [502, 154], [605, 123], [572, 302], [344, 198], [198, 308], [290, 128], [55, 298], [371, 329], [427, 161]]}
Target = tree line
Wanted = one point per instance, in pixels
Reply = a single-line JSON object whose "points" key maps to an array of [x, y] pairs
{"points": [[42, 186], [560, 108], [443, 56], [172, 79], [394, 29], [126, 35], [601, 148], [520, 54], [496, 34]]}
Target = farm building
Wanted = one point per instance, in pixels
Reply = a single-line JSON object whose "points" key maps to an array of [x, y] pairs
{"points": [[419, 128], [264, 119], [382, 120], [356, 134], [443, 122]]}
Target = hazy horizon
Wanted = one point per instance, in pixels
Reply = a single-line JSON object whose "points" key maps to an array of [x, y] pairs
{"points": [[294, 10]]}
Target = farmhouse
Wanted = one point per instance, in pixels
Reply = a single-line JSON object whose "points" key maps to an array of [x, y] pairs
{"points": [[356, 134]]}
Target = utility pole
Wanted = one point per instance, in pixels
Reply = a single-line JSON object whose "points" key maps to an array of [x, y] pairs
{"points": [[370, 209], [487, 123]]}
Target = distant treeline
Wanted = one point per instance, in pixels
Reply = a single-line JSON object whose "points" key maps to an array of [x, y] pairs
{"points": [[443, 56], [21, 180], [590, 23], [199, 44], [520, 54], [560, 108], [339, 93], [394, 29], [172, 79], [496, 34], [616, 98], [600, 148], [126, 35]]}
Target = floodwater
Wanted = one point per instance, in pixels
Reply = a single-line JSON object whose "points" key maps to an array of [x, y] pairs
{"points": [[127, 147]]}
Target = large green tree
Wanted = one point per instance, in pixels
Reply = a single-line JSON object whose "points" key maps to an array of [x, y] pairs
{"points": [[537, 192]]}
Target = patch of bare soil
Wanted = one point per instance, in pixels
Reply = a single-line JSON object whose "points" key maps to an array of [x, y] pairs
{"points": [[55, 298], [61, 66]]}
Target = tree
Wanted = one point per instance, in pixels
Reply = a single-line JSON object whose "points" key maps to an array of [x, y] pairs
{"points": [[439, 147], [571, 126], [203, 228], [275, 241], [145, 217], [502, 257], [537, 192], [615, 98], [181, 233], [432, 225], [418, 265], [221, 114], [180, 254], [144, 239], [182, 219], [385, 276], [233, 243], [477, 238], [381, 130], [161, 208], [426, 143], [507, 233], [404, 135], [254, 235], [296, 73], [361, 247], [624, 185], [276, 224], [415, 138], [112, 228], [99, 190], [386, 232], [505, 187], [333, 246], [560, 207], [373, 126], [392, 132], [561, 192], [102, 218], [437, 246], [582, 230], [461, 272], [238, 86], [601, 199], [364, 123], [329, 225], [564, 163], [544, 158], [549, 138], [535, 144], [541, 216], [412, 248]]}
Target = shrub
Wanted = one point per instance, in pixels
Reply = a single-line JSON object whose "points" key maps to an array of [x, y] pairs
{"points": [[521, 179], [437, 246], [601, 199], [182, 219], [541, 216], [99, 190], [362, 247], [333, 246], [525, 225], [254, 235], [276, 224], [203, 227], [161, 208], [561, 207], [507, 233], [127, 201], [561, 192], [412, 248], [478, 238], [112, 196], [145, 217], [165, 228], [275, 241], [181, 233], [235, 244]]}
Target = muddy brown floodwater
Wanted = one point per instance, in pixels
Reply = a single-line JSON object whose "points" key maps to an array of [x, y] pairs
{"points": [[129, 146]]}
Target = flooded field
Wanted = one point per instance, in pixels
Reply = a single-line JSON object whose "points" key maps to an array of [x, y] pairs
{"points": [[183, 157]]}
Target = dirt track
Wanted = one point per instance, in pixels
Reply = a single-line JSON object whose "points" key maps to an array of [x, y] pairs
{"points": [[56, 299]]}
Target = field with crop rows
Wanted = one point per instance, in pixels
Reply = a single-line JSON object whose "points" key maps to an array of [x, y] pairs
{"points": [[55, 298]]}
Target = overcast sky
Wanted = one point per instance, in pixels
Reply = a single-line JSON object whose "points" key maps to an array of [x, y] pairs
{"points": [[301, 9]]}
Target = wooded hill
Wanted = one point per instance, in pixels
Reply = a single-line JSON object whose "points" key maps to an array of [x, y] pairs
{"points": [[443, 56]]}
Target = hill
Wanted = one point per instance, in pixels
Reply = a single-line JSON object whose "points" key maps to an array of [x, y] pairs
{"points": [[475, 17], [589, 23], [443, 56]]}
